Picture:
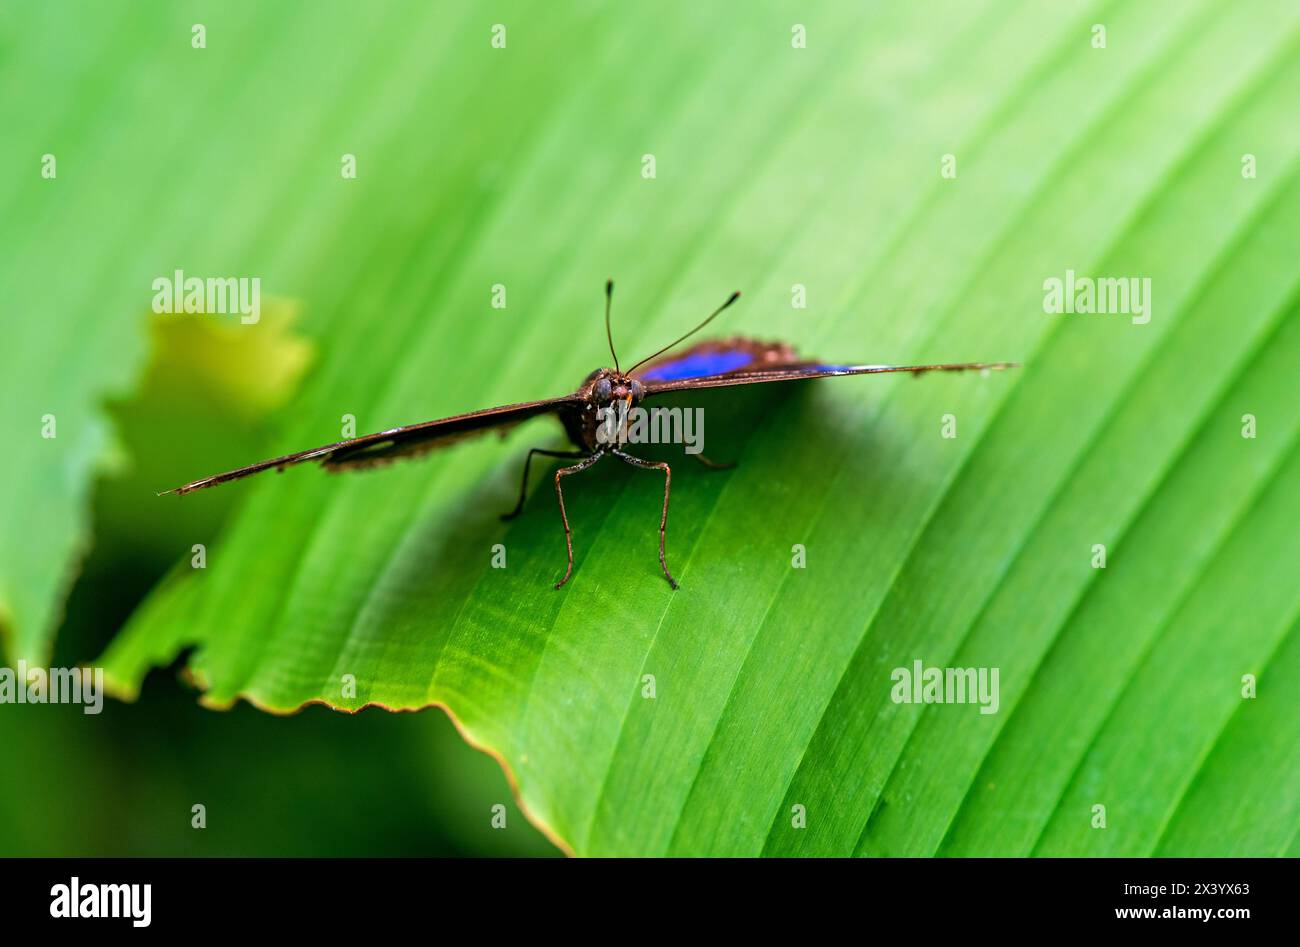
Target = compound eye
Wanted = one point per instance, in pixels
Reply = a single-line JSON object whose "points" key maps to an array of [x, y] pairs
{"points": [[637, 391], [602, 389]]}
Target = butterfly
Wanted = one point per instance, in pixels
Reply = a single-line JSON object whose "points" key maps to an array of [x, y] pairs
{"points": [[602, 403]]}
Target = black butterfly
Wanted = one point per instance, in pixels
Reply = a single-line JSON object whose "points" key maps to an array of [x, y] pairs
{"points": [[716, 364]]}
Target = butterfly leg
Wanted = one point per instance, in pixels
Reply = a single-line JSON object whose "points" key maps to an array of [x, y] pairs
{"points": [[564, 517], [523, 484], [663, 520], [713, 464]]}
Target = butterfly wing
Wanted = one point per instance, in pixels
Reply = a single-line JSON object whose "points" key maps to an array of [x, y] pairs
{"points": [[725, 363], [409, 441], [718, 357]]}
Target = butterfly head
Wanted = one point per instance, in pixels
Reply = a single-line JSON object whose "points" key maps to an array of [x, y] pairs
{"points": [[609, 387], [610, 396]]}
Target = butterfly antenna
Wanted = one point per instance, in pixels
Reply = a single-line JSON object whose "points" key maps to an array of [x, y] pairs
{"points": [[609, 298], [717, 312]]}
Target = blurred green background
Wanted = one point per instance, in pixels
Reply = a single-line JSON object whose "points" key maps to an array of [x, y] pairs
{"points": [[318, 783], [792, 146]]}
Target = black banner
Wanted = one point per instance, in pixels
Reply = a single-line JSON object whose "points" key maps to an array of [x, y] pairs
{"points": [[88, 896]]}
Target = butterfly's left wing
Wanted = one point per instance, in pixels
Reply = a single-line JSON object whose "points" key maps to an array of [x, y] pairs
{"points": [[724, 363], [410, 441]]}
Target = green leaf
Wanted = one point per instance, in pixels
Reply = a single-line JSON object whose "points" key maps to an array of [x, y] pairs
{"points": [[209, 385], [1120, 687]]}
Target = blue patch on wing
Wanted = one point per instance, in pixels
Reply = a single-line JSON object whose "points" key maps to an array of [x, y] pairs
{"points": [[698, 365]]}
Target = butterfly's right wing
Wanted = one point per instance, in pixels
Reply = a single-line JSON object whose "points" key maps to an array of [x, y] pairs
{"points": [[409, 441], [718, 357], [726, 363]]}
